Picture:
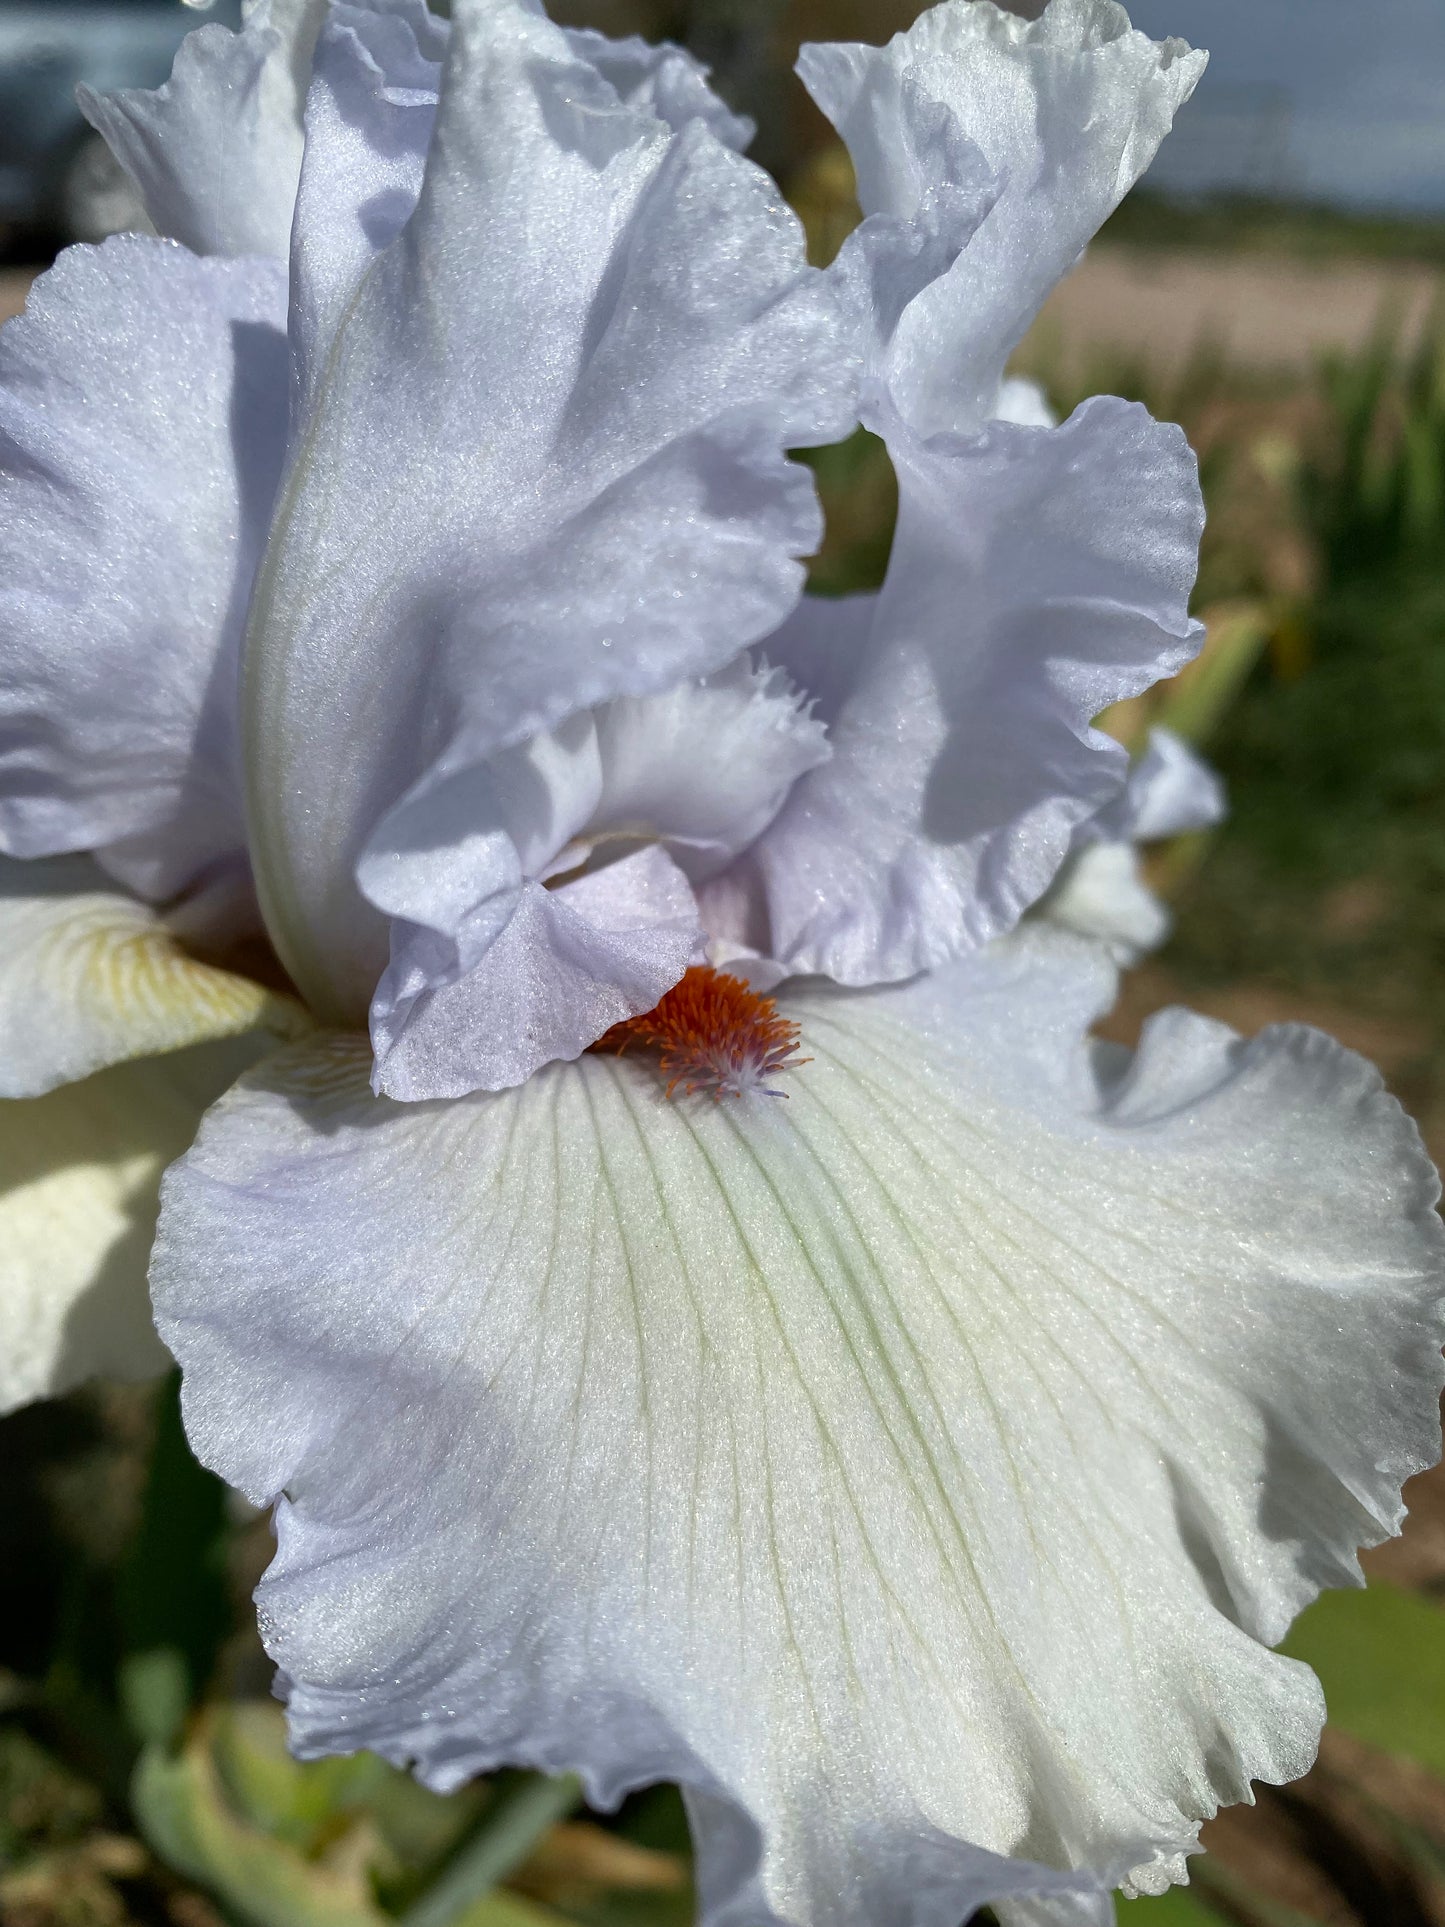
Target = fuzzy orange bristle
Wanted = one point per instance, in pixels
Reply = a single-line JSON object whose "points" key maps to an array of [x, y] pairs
{"points": [[714, 1034]]}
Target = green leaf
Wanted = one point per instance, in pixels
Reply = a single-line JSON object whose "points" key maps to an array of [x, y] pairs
{"points": [[527, 1806], [1180, 1907], [155, 1693], [1196, 703], [1380, 1655], [501, 1909], [298, 1803], [182, 1812], [172, 1599]]}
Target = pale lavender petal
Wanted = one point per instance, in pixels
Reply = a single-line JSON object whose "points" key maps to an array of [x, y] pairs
{"points": [[662, 80], [142, 423], [565, 965], [1038, 576], [1064, 113], [1171, 790], [216, 151]]}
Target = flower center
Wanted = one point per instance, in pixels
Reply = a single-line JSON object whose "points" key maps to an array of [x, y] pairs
{"points": [[713, 1034]]}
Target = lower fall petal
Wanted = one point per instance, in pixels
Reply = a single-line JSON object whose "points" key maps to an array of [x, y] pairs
{"points": [[89, 976], [80, 1177], [918, 1469]]}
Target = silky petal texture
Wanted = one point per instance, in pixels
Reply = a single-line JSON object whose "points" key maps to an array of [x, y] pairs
{"points": [[90, 977], [370, 114], [543, 467], [1037, 577], [142, 427], [216, 151], [662, 80], [564, 966], [80, 1177], [917, 1469], [1066, 112]]}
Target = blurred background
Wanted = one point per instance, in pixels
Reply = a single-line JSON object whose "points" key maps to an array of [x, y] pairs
{"points": [[1276, 287]]}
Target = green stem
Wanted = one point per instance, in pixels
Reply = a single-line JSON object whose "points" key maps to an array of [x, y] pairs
{"points": [[509, 1831]]}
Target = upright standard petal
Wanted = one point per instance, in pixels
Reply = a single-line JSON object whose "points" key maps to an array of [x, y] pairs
{"points": [[918, 1470], [539, 464], [1065, 112], [370, 112], [216, 151], [142, 428], [1038, 576], [663, 80], [80, 1177], [90, 977]]}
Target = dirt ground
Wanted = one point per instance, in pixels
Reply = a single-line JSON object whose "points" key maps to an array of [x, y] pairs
{"points": [[1260, 311], [14, 286]]}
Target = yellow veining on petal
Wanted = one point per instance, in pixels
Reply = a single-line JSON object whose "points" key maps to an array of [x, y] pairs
{"points": [[140, 977], [95, 978]]}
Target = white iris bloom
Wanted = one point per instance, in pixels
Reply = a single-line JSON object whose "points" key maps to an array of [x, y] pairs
{"points": [[920, 1469]]}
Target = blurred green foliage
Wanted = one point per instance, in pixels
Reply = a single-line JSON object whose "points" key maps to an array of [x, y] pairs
{"points": [[1235, 223]]}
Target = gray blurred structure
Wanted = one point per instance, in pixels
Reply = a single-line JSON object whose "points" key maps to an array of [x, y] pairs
{"points": [[56, 176], [1234, 139]]}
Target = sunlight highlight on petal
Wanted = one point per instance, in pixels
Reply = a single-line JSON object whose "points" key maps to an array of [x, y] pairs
{"points": [[90, 977]]}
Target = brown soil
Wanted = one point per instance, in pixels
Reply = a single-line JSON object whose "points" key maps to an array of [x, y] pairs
{"points": [[14, 286], [1264, 313]]}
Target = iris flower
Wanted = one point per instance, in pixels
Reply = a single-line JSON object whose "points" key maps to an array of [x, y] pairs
{"points": [[702, 1306]]}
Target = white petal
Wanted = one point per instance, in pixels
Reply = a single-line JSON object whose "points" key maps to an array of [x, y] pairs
{"points": [[370, 113], [545, 467], [562, 966], [216, 151], [142, 420], [703, 767], [1066, 111], [1101, 893], [662, 80], [90, 977], [80, 1177], [1170, 791], [1037, 576], [913, 1468], [1024, 402]]}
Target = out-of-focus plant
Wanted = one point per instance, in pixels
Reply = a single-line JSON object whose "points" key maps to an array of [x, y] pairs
{"points": [[1335, 756], [1371, 481]]}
